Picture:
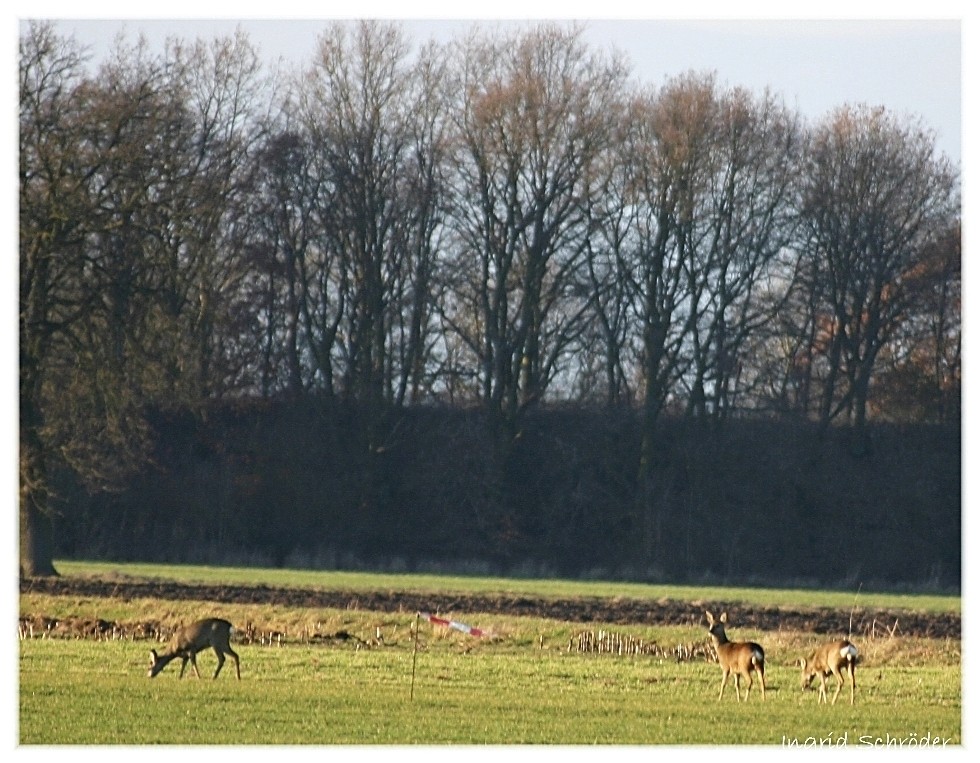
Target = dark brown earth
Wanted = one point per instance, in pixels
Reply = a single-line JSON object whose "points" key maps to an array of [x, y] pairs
{"points": [[618, 611]]}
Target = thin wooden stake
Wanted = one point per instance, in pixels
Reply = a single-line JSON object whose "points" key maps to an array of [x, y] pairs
{"points": [[850, 620], [415, 651]]}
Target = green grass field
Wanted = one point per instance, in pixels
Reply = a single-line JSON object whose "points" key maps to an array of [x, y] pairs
{"points": [[522, 686], [354, 581]]}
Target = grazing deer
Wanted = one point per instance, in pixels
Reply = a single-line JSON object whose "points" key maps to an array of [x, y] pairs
{"points": [[191, 639], [833, 658], [738, 657]]}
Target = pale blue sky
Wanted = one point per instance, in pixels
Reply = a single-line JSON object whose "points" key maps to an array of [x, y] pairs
{"points": [[816, 61]]}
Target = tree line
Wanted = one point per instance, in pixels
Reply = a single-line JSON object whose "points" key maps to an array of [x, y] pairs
{"points": [[760, 502], [506, 222]]}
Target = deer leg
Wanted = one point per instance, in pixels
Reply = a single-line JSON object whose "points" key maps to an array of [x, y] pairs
{"points": [[850, 672], [724, 680], [238, 672], [738, 686], [762, 682], [183, 665], [823, 689], [194, 663], [221, 661], [840, 685], [748, 688]]}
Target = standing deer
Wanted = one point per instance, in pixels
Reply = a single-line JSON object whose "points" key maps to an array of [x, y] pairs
{"points": [[191, 639], [738, 657], [830, 659]]}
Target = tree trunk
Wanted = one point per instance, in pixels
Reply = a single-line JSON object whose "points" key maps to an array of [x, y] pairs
{"points": [[36, 542], [36, 530]]}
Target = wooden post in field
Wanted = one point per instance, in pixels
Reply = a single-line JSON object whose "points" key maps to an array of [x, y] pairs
{"points": [[415, 651]]}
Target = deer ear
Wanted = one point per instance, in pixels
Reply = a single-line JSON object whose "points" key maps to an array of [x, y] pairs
{"points": [[801, 662], [710, 618], [723, 618]]}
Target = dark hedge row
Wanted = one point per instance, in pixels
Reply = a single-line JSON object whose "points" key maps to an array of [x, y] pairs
{"points": [[296, 484]]}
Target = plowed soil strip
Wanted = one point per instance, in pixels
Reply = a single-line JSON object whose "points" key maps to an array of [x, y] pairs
{"points": [[577, 610]]}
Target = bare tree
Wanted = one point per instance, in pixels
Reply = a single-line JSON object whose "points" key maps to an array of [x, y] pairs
{"points": [[736, 266], [420, 228], [609, 343], [216, 91], [675, 127], [875, 198], [88, 171], [919, 376], [536, 114], [373, 123], [53, 206], [128, 184]]}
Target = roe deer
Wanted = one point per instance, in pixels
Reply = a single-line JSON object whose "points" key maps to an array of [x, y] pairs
{"points": [[833, 658], [191, 639], [738, 657]]}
